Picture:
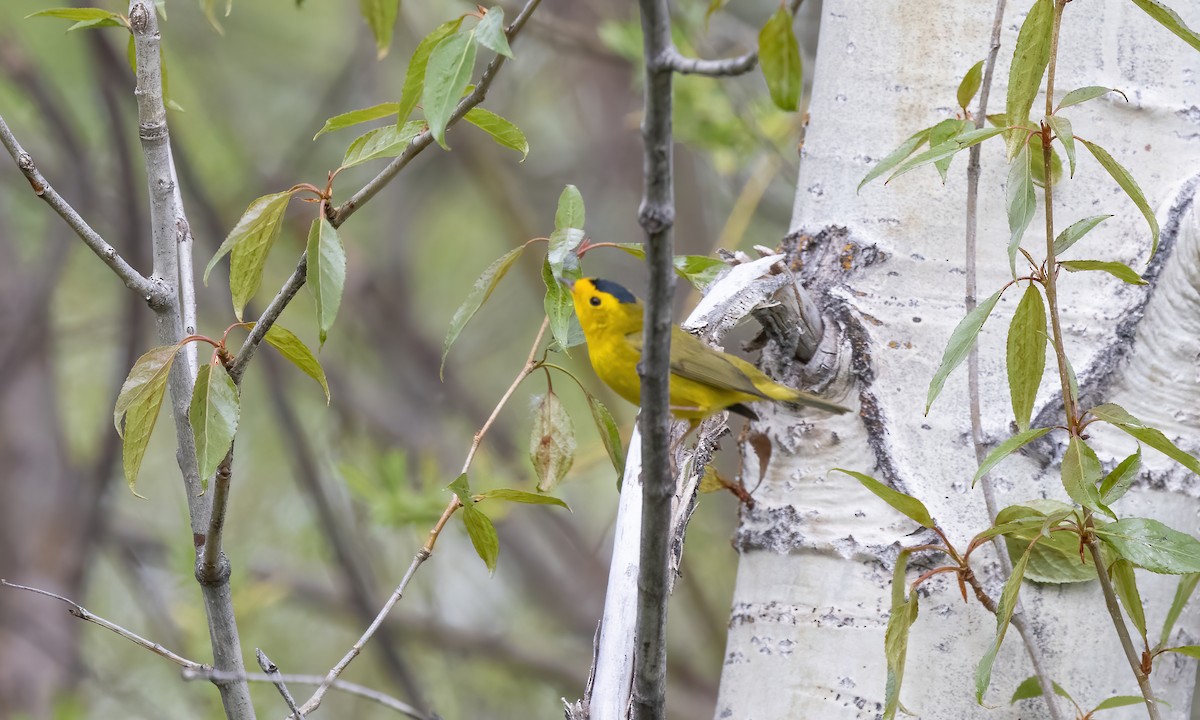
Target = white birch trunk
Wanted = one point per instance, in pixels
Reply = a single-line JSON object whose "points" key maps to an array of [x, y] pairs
{"points": [[813, 587]]}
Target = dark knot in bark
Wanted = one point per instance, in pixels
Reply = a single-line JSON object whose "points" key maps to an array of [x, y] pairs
{"points": [[656, 219]]}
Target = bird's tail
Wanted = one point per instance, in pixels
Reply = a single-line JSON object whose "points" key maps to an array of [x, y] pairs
{"points": [[775, 391]]}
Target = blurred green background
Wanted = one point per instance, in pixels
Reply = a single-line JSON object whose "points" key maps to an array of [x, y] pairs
{"points": [[330, 503]]}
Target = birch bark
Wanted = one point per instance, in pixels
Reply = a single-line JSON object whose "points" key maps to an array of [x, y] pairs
{"points": [[812, 594]]}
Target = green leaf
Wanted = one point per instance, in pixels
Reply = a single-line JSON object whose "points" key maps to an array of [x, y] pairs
{"points": [[1072, 381], [897, 156], [1125, 583], [383, 142], [80, 15], [504, 132], [1006, 448], [490, 32], [1082, 95], [214, 416], [354, 117], [943, 132], [1120, 701], [293, 349], [1030, 58], [960, 344], [970, 85], [249, 243], [1026, 354], [1022, 202], [1031, 687], [381, 18], [1169, 19], [93, 24], [895, 639], [1120, 271], [560, 308], [552, 442], [483, 536], [414, 76], [520, 496], [1004, 612], [569, 217], [1150, 544], [446, 77], [1129, 185], [1183, 593], [906, 504], [462, 488], [700, 270], [779, 56], [1080, 473], [1116, 415], [480, 292], [1037, 167], [609, 434], [1189, 650], [326, 273], [1077, 230], [210, 12], [1117, 482], [1066, 135], [714, 6], [570, 211], [1054, 559], [137, 406], [945, 150]]}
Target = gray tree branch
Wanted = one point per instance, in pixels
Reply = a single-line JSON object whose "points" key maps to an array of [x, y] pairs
{"points": [[656, 216], [218, 676], [725, 67], [170, 234], [154, 293]]}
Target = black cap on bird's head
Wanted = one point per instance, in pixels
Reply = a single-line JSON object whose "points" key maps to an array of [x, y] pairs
{"points": [[618, 291]]}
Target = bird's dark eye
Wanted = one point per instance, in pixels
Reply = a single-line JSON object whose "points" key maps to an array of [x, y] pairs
{"points": [[595, 301]]}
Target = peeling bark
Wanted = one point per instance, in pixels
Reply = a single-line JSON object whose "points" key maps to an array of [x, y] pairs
{"points": [[812, 595]]}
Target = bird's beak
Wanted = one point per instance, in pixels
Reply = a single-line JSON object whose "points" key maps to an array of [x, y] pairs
{"points": [[568, 284]]}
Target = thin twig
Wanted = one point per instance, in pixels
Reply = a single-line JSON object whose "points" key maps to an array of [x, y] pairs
{"points": [[1019, 620], [154, 293], [427, 549], [82, 613], [1114, 611], [193, 670], [272, 671], [725, 67], [296, 280], [423, 140], [1060, 352], [220, 676]]}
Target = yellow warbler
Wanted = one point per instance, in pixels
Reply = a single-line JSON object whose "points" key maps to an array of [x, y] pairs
{"points": [[703, 381]]}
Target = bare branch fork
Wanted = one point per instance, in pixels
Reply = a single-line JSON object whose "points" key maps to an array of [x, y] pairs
{"points": [[193, 670], [726, 67], [154, 293]]}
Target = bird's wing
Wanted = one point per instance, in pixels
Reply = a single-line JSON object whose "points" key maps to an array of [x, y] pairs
{"points": [[693, 360]]}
